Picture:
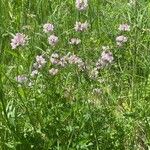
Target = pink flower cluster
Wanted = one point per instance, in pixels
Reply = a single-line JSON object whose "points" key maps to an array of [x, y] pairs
{"points": [[19, 39], [81, 4], [58, 61], [53, 40], [54, 59], [21, 79], [39, 64], [79, 26], [40, 61], [105, 59], [120, 40], [124, 27], [73, 59], [53, 71], [34, 73], [67, 59], [75, 41], [48, 27]]}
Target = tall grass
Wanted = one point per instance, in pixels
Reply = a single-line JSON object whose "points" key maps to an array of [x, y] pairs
{"points": [[63, 112]]}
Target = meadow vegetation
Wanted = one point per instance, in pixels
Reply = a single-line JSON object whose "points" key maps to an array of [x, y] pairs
{"points": [[74, 75]]}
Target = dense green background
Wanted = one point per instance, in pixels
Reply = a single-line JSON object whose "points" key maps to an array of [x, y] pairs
{"points": [[62, 113]]}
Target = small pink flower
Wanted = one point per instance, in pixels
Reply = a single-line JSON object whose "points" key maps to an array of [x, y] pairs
{"points": [[81, 26], [40, 61], [81, 4], [63, 61], [53, 71], [73, 59], [75, 41], [34, 73], [104, 60], [122, 39], [21, 78], [107, 56], [53, 40], [124, 27], [18, 40], [48, 27], [54, 59]]}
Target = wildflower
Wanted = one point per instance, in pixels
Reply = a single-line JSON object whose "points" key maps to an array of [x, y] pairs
{"points": [[81, 26], [21, 78], [54, 59], [48, 27], [73, 59], [75, 41], [124, 27], [81, 4], [40, 61], [107, 57], [34, 72], [63, 61], [53, 71], [121, 39], [18, 40], [53, 40]]}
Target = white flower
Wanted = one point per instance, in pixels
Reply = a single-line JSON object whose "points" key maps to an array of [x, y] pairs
{"points": [[40, 61], [54, 59], [81, 4], [81, 26], [105, 59], [53, 40], [21, 78], [75, 41], [63, 61], [53, 71], [48, 27], [124, 27], [122, 39], [107, 56], [34, 72]]}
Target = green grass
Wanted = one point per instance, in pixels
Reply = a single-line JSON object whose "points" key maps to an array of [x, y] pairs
{"points": [[61, 112]]}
